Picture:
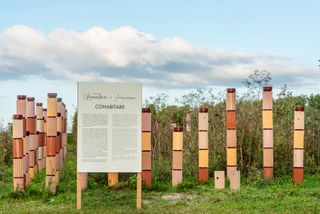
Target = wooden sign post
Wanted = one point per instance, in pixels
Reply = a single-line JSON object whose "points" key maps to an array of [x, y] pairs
{"points": [[231, 131], [267, 125], [109, 131]]}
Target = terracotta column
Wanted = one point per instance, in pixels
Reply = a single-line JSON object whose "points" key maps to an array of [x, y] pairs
{"points": [[31, 135], [203, 145], [267, 125], [17, 148], [177, 156], [298, 145], [40, 134], [21, 109], [231, 131], [51, 165], [146, 147]]}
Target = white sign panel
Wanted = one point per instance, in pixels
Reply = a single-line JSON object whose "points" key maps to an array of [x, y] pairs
{"points": [[109, 127]]}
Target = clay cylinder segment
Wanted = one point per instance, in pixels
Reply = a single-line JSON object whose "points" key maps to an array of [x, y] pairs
{"points": [[204, 158], [51, 126], [21, 105], [31, 125], [51, 146], [17, 126], [231, 119], [219, 179], [146, 120], [203, 140], [203, 120], [177, 139], [30, 108], [17, 148], [231, 138], [146, 141], [52, 105], [39, 111], [177, 160]]}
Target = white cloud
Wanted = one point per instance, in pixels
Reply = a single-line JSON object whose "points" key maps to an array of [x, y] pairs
{"points": [[127, 54]]}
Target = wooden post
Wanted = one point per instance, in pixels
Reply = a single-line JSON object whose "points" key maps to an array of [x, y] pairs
{"points": [[177, 156], [146, 147], [231, 131], [267, 125], [203, 145], [112, 178], [139, 191], [79, 190], [298, 145]]}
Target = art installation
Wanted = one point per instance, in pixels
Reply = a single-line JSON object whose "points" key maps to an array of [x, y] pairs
{"points": [[267, 125], [203, 145], [231, 131], [177, 156], [146, 147], [298, 144]]}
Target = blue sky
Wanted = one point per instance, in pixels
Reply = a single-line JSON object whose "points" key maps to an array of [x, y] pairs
{"points": [[183, 40]]}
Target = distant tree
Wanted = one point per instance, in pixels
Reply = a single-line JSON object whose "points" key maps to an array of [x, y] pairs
{"points": [[256, 81]]}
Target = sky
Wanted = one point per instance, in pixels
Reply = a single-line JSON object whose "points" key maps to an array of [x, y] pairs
{"points": [[170, 46]]}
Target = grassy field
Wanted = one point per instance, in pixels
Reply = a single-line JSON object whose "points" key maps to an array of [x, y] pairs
{"points": [[256, 195]]}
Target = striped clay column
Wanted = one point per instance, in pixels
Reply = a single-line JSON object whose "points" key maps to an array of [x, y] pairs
{"points": [[231, 131], [59, 140], [17, 148], [298, 145], [267, 125], [177, 155], [45, 136], [40, 133], [51, 141], [203, 145], [65, 134], [146, 147], [21, 109], [31, 134]]}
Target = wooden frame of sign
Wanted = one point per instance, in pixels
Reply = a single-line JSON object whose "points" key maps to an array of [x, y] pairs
{"points": [[109, 131]]}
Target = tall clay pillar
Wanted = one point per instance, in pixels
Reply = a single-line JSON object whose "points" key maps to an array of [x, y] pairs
{"points": [[203, 145], [31, 134], [59, 140], [177, 155], [51, 141], [40, 133], [45, 136], [298, 145], [231, 131], [146, 147], [21, 109], [267, 125], [17, 148]]}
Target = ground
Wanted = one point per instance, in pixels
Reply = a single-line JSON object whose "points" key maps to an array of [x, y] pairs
{"points": [[255, 196]]}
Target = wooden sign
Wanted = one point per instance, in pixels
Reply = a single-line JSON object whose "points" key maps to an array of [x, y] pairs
{"points": [[109, 130]]}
